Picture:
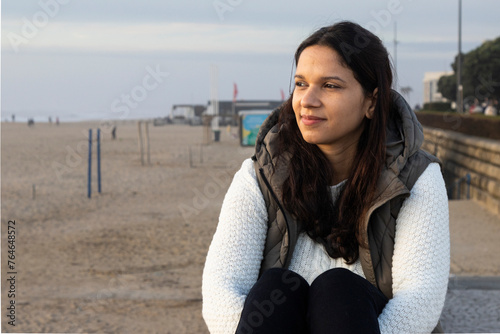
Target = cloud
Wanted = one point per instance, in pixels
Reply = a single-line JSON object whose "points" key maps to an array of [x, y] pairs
{"points": [[152, 37]]}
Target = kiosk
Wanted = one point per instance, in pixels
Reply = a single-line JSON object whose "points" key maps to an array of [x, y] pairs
{"points": [[250, 122]]}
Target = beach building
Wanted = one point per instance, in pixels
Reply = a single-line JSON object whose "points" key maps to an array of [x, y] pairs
{"points": [[187, 113], [431, 93], [229, 110]]}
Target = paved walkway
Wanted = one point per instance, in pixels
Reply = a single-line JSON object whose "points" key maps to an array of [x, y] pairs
{"points": [[472, 305], [473, 299]]}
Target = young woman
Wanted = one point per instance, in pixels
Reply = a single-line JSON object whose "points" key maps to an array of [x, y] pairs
{"points": [[339, 223]]}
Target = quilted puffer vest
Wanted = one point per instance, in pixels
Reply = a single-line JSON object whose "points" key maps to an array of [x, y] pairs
{"points": [[404, 164]]}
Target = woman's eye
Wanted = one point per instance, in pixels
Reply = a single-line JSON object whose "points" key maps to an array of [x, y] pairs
{"points": [[331, 86], [300, 84]]}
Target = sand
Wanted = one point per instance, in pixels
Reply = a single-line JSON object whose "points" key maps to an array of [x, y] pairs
{"points": [[127, 260], [130, 259]]}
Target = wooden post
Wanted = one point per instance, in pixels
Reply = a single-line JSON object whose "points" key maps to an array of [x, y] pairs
{"points": [[190, 157], [147, 143], [99, 160], [89, 178], [141, 147], [207, 129]]}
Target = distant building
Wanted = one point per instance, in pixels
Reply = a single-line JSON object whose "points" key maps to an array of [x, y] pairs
{"points": [[228, 111], [431, 93], [187, 113]]}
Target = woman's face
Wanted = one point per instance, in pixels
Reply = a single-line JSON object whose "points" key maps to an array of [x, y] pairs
{"points": [[329, 103]]}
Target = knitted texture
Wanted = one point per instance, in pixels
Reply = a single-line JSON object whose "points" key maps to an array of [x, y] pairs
{"points": [[306, 249], [234, 257], [421, 260], [420, 272]]}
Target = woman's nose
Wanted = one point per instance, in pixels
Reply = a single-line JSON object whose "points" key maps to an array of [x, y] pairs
{"points": [[310, 99]]}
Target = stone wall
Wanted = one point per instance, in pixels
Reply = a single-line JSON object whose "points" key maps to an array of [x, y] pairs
{"points": [[467, 158]]}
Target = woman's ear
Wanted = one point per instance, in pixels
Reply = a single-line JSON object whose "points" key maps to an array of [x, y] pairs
{"points": [[373, 103]]}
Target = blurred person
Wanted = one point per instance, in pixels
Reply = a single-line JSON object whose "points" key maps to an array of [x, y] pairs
{"points": [[475, 108], [484, 105], [491, 110], [339, 222]]}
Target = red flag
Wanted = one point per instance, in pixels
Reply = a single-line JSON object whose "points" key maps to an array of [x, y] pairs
{"points": [[235, 92], [282, 95]]}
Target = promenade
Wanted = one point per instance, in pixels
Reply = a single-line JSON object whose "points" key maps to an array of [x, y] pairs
{"points": [[473, 298]]}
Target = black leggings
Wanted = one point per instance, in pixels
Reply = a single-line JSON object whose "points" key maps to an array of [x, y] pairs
{"points": [[338, 301]]}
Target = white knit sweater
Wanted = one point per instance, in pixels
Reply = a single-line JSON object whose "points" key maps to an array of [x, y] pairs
{"points": [[421, 259]]}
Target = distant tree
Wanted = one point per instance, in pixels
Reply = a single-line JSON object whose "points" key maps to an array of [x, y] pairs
{"points": [[480, 74], [447, 86]]}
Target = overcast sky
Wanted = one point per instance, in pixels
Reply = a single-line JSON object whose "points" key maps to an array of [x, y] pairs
{"points": [[100, 59]]}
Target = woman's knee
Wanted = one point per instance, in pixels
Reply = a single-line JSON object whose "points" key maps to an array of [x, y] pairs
{"points": [[278, 300], [338, 278], [343, 300], [278, 285], [340, 286], [283, 278]]}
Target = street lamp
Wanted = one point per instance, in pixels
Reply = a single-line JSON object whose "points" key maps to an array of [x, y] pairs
{"points": [[460, 91]]}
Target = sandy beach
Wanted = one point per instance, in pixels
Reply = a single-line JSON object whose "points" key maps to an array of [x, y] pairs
{"points": [[130, 259]]}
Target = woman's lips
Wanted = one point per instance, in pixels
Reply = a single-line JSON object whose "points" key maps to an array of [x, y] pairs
{"points": [[311, 120]]}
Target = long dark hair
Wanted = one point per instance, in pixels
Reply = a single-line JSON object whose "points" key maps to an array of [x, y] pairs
{"points": [[306, 193]]}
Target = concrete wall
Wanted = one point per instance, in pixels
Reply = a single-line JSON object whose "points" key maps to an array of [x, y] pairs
{"points": [[462, 155]]}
